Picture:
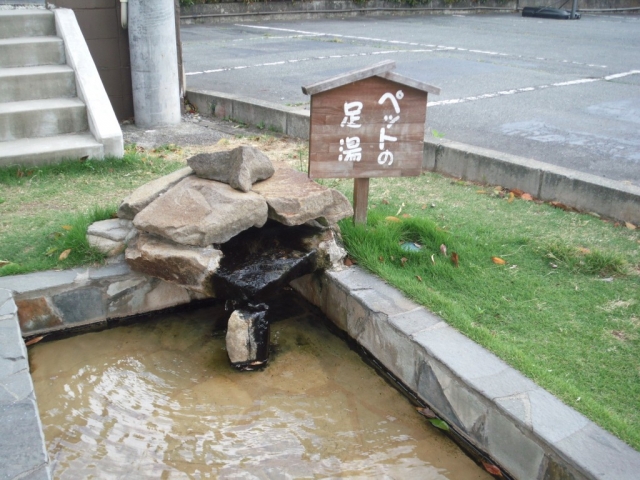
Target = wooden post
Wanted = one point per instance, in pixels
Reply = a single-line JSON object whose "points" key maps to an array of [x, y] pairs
{"points": [[360, 200]]}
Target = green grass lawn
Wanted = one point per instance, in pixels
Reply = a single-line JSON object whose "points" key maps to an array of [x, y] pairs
{"points": [[564, 308], [45, 211]]}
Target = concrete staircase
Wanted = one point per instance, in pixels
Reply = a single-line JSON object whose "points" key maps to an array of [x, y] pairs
{"points": [[42, 120]]}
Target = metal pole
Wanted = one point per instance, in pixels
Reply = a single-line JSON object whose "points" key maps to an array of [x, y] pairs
{"points": [[574, 7]]}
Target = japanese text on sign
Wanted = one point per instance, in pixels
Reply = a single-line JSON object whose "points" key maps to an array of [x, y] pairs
{"points": [[350, 150]]}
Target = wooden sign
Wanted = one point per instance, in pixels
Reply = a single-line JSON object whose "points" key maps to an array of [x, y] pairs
{"points": [[367, 123]]}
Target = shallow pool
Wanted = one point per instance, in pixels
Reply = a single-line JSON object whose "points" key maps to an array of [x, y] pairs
{"points": [[159, 399]]}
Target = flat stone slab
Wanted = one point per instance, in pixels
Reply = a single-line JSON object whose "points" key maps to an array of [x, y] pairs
{"points": [[202, 212], [526, 430], [147, 193], [294, 199], [240, 168], [110, 236], [189, 267]]}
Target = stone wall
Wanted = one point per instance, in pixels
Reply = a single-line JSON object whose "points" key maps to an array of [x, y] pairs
{"points": [[52, 301]]}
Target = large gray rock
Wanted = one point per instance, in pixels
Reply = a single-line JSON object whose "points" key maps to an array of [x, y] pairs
{"points": [[110, 236], [147, 193], [189, 267], [294, 199], [240, 167], [201, 212]]}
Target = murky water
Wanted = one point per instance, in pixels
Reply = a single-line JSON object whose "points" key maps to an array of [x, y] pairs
{"points": [[159, 400]]}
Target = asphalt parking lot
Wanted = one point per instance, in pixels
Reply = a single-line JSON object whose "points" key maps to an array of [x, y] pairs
{"points": [[562, 92]]}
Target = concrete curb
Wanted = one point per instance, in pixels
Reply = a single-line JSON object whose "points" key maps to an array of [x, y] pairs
{"points": [[102, 120], [582, 191], [528, 431]]}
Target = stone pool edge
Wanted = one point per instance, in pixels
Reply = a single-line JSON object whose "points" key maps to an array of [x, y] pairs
{"points": [[526, 430]]}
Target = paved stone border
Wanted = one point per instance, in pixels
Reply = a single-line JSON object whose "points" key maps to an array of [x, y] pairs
{"points": [[525, 429], [585, 192], [23, 453], [51, 301]]}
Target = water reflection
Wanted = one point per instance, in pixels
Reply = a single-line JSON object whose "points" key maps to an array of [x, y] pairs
{"points": [[159, 400]]}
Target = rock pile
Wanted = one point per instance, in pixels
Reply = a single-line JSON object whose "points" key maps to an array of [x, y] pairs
{"points": [[177, 227]]}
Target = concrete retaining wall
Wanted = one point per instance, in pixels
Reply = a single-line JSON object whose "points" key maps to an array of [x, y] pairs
{"points": [[285, 10], [547, 182]]}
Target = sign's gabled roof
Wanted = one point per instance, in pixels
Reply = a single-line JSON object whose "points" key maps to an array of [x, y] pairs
{"points": [[381, 69], [349, 77], [410, 82]]}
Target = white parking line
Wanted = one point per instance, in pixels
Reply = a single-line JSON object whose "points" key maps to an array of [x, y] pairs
{"points": [[503, 93], [295, 60], [398, 42]]}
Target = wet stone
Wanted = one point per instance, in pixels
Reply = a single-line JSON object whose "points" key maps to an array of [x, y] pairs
{"points": [[248, 337], [258, 262]]}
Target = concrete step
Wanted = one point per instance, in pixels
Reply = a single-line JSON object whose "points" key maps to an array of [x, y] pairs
{"points": [[41, 151], [31, 51], [42, 118], [26, 23], [32, 83]]}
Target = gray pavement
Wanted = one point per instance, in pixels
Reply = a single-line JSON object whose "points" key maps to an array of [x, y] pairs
{"points": [[561, 92]]}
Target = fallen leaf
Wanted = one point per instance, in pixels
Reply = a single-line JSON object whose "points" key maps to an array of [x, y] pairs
{"points": [[511, 197], [561, 206], [441, 424], [67, 227], [455, 259], [584, 251], [426, 411], [517, 192], [497, 189], [403, 260], [51, 251], [443, 249], [4, 262], [33, 341], [492, 469], [433, 259], [526, 197], [424, 207], [419, 278], [406, 215], [498, 261], [392, 219], [348, 262], [481, 192], [65, 254], [630, 225], [385, 201]]}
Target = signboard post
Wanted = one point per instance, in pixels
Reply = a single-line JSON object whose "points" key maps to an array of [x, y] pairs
{"points": [[365, 124]]}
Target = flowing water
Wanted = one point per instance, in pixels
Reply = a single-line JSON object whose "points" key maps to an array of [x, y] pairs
{"points": [[159, 400]]}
